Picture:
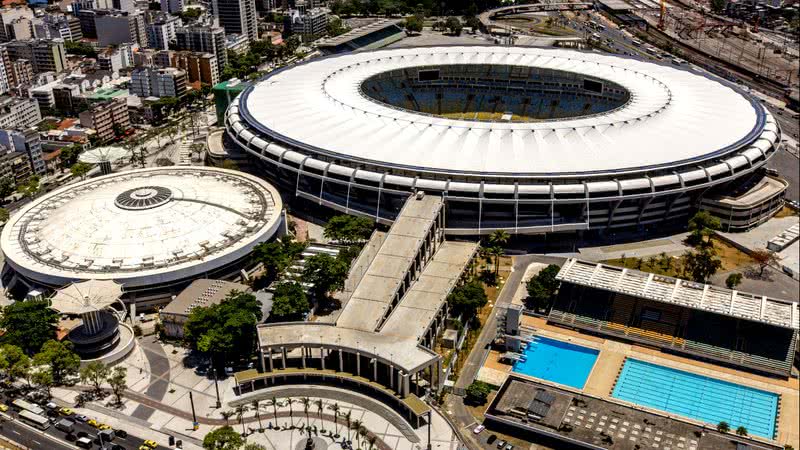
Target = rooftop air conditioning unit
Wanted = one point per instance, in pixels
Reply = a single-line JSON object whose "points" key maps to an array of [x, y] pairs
{"points": [[420, 195]]}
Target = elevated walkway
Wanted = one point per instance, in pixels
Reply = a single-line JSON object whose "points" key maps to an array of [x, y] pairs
{"points": [[408, 246]]}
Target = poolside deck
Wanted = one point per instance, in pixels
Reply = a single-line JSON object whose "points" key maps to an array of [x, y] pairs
{"points": [[612, 356]]}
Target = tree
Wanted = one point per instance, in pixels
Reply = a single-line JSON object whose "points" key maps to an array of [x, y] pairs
{"points": [[255, 404], [701, 264], [336, 27], [240, 411], [14, 362], [348, 228], [499, 238], [6, 187], [69, 155], [319, 404], [473, 22], [723, 427], [223, 438], [289, 302], [717, 6], [95, 373], [225, 330], [478, 392], [335, 408], [702, 225], [542, 288], [538, 297], [63, 362], [274, 403], [80, 48], [306, 402], [28, 324], [253, 446], [29, 187], [741, 431], [118, 380], [454, 26], [733, 280], [80, 169], [325, 273], [413, 24], [43, 377], [764, 258], [465, 300], [277, 256], [4, 215]]}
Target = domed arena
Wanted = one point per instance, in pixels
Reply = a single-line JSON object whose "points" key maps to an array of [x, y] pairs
{"points": [[528, 140], [151, 230]]}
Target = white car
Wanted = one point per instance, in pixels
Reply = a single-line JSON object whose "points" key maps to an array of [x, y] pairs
{"points": [[478, 429]]}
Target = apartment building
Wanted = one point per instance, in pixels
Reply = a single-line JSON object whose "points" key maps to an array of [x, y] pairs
{"points": [[45, 55], [206, 39], [104, 117], [18, 112], [155, 82], [237, 16], [26, 142]]}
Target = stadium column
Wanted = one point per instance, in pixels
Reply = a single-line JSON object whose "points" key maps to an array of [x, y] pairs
{"points": [[358, 364], [271, 366]]}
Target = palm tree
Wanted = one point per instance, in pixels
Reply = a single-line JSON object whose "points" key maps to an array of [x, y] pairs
{"points": [[289, 402], [497, 252], [359, 427], [240, 410], [320, 405], [347, 418], [335, 408], [274, 402], [372, 440], [499, 237], [227, 415], [306, 403], [256, 405]]}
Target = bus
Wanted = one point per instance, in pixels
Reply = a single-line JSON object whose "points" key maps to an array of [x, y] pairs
{"points": [[27, 406], [36, 420]]}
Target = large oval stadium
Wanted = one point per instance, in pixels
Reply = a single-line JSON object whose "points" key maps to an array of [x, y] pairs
{"points": [[529, 140]]}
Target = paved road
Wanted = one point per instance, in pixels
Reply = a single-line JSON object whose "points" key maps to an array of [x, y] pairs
{"points": [[481, 349], [52, 438]]}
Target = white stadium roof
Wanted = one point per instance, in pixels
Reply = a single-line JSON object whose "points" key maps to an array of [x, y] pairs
{"points": [[142, 227], [674, 116]]}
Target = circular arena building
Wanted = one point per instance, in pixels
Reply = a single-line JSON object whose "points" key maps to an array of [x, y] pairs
{"points": [[529, 140], [152, 230]]}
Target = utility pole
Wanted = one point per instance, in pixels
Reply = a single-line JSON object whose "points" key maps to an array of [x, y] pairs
{"points": [[216, 387], [194, 415]]}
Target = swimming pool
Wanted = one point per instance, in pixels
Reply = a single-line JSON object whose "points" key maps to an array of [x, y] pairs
{"points": [[557, 361], [698, 397]]}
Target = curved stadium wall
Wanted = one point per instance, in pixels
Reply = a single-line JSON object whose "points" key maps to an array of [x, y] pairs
{"points": [[522, 139]]}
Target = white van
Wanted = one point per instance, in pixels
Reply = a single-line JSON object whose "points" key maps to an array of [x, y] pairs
{"points": [[84, 442]]}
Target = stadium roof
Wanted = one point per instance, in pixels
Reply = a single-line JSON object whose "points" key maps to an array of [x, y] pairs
{"points": [[142, 227], [704, 297], [86, 296], [674, 117]]}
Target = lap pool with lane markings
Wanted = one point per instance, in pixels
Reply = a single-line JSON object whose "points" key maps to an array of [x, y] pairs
{"points": [[698, 397]]}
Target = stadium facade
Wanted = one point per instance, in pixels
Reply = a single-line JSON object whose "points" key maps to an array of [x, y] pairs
{"points": [[528, 140], [151, 230]]}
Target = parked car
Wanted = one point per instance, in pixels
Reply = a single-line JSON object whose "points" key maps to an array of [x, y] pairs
{"points": [[491, 439], [478, 429], [81, 418], [501, 443]]}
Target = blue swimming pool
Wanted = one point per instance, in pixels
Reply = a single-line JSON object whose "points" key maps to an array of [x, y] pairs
{"points": [[698, 397], [557, 361]]}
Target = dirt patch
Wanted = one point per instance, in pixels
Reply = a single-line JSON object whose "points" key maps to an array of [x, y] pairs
{"points": [[672, 266], [786, 212]]}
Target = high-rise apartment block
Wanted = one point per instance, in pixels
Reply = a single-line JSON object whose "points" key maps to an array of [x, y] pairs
{"points": [[45, 55], [116, 27], [237, 16], [206, 39], [154, 82], [106, 118]]}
